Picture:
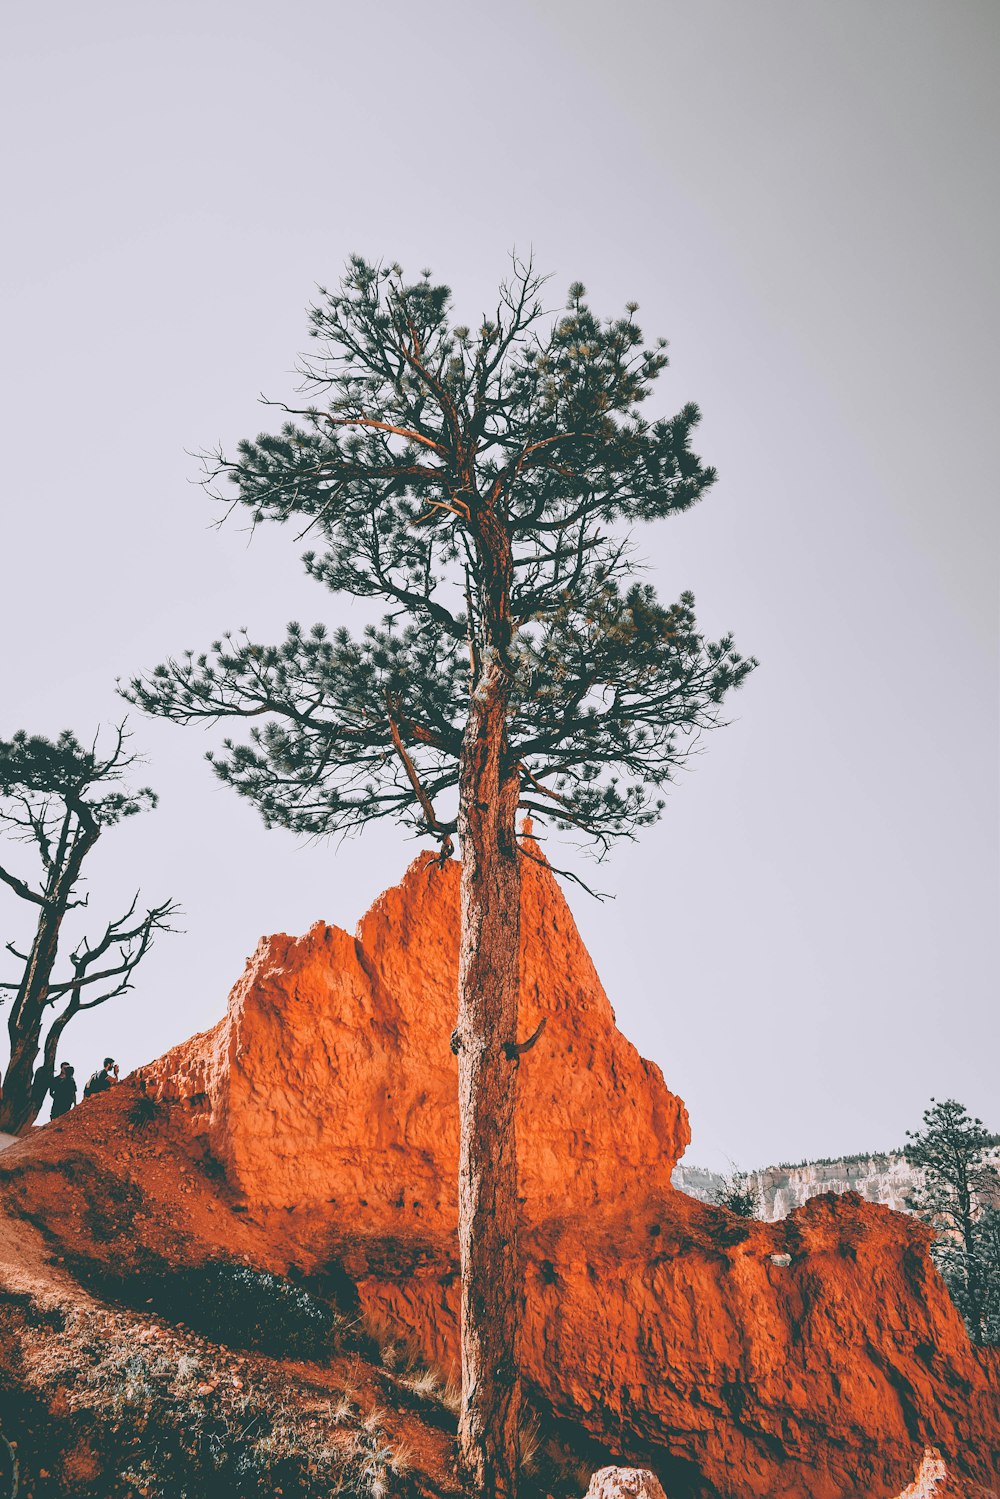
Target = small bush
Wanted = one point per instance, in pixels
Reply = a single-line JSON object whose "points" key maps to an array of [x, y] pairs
{"points": [[737, 1194], [248, 1308], [225, 1301], [231, 1304], [143, 1111]]}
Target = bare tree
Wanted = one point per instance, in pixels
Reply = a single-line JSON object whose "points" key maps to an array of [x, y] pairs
{"points": [[736, 1192], [60, 798], [471, 481]]}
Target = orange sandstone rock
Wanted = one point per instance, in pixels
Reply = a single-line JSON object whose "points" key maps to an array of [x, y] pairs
{"points": [[669, 1335], [816, 1358], [331, 1081]]}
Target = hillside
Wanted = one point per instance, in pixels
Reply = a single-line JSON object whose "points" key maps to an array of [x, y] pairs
{"points": [[236, 1273]]}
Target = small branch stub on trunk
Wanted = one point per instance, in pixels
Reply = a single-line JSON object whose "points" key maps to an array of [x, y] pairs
{"points": [[514, 1050]]}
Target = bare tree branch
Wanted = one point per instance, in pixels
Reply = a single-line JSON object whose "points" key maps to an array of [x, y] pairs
{"points": [[20, 888]]}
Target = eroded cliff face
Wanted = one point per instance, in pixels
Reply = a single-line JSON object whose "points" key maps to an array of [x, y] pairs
{"points": [[810, 1359], [330, 1083]]}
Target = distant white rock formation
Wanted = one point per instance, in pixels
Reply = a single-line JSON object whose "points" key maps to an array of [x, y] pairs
{"points": [[778, 1190], [886, 1178]]}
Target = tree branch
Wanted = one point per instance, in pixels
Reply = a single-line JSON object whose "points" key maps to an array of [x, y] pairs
{"points": [[20, 888], [566, 874], [441, 830]]}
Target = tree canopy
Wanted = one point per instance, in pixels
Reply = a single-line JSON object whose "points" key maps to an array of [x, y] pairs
{"points": [[426, 434]]}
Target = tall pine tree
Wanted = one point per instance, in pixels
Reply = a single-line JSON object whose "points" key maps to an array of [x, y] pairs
{"points": [[473, 481], [959, 1193]]}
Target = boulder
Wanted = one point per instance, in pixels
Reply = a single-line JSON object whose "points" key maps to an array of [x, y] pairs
{"points": [[625, 1483]]}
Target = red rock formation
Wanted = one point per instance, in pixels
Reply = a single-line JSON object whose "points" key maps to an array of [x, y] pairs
{"points": [[331, 1078], [664, 1328], [671, 1336]]}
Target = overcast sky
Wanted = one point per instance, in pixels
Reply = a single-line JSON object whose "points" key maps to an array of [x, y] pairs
{"points": [[802, 198]]}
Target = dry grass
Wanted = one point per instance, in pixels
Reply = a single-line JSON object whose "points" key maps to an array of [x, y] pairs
{"points": [[173, 1413], [451, 1396], [189, 1423], [426, 1384], [529, 1437], [403, 1361]]}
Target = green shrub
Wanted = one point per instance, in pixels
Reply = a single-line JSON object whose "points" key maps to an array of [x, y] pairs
{"points": [[247, 1308]]}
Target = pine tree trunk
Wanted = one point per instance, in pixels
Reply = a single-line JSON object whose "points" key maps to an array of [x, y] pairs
{"points": [[973, 1289], [489, 983]]}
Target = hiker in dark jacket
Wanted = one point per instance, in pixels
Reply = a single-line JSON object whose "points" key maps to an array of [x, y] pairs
{"points": [[63, 1091], [102, 1080]]}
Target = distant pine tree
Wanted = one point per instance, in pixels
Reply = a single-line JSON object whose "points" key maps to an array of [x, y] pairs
{"points": [[987, 1249], [959, 1196], [473, 481]]}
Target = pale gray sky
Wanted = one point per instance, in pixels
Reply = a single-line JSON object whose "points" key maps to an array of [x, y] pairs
{"points": [[802, 199]]}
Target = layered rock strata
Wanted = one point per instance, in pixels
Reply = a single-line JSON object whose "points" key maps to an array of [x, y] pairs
{"points": [[887, 1178]]}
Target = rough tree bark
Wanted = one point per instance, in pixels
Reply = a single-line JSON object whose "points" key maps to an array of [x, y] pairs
{"points": [[973, 1288], [489, 984], [488, 992]]}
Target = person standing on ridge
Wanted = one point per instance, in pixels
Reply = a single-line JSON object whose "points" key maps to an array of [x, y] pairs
{"points": [[63, 1091]]}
